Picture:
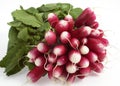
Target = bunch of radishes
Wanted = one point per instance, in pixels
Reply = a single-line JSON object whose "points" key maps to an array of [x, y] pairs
{"points": [[72, 48]]}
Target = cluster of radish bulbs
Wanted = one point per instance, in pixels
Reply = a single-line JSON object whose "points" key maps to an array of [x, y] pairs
{"points": [[72, 48]]}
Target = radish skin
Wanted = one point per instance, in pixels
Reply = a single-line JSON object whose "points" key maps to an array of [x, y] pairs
{"points": [[52, 58], [50, 37], [53, 19], [84, 50], [74, 42], [93, 57], [74, 56], [84, 62], [71, 68], [42, 47], [57, 71], [65, 37], [35, 74], [40, 61], [33, 54], [61, 26], [70, 20], [59, 50]]}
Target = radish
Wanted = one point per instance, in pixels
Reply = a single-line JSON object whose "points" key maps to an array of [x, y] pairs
{"points": [[40, 61], [49, 67], [104, 41], [33, 54], [57, 71], [62, 60], [74, 56], [101, 56], [50, 74], [91, 19], [50, 37], [42, 47], [65, 37], [59, 50], [61, 26], [81, 32], [36, 73], [52, 19], [93, 57], [84, 71], [95, 45], [97, 67], [84, 62], [96, 33], [70, 20], [71, 68], [52, 58], [84, 41], [84, 50], [84, 17], [94, 25], [71, 78], [74, 42]]}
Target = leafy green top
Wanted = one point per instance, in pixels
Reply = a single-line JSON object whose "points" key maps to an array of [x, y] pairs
{"points": [[28, 28]]}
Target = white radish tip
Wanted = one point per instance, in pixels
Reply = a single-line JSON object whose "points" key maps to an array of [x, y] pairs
{"points": [[84, 50], [51, 15], [71, 68], [88, 29], [63, 23], [37, 62]]}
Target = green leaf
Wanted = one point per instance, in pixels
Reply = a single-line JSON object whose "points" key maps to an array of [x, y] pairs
{"points": [[47, 7], [65, 7], [39, 17], [32, 10], [76, 12], [15, 58], [26, 18], [15, 23], [23, 34]]}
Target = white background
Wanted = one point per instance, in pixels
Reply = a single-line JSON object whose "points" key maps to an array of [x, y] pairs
{"points": [[108, 14]]}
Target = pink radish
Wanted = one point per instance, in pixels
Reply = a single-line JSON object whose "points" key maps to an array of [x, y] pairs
{"points": [[71, 68], [57, 71], [81, 32], [74, 42], [84, 41], [52, 19], [61, 26], [84, 17], [94, 25], [92, 56], [104, 41], [59, 50], [52, 58], [70, 20], [91, 19], [50, 37], [101, 56], [84, 62], [97, 67], [42, 47], [71, 78], [74, 56], [40, 61], [33, 54], [50, 74], [96, 45], [84, 71], [62, 60], [96, 33], [84, 50], [49, 67], [65, 37], [36, 73]]}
